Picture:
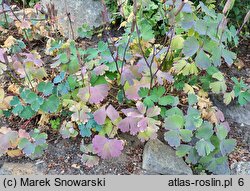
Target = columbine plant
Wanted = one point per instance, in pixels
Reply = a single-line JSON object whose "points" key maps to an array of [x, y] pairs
{"points": [[157, 75]]}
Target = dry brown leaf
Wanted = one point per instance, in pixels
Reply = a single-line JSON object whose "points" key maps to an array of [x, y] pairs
{"points": [[44, 119], [13, 88], [188, 89], [204, 102], [5, 104], [202, 93], [14, 153], [9, 42], [239, 63], [1, 94], [210, 115]]}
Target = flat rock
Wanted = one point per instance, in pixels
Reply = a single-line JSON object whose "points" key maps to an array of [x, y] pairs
{"points": [[81, 12], [240, 168], [223, 168], [244, 132], [237, 113], [160, 158], [19, 169]]}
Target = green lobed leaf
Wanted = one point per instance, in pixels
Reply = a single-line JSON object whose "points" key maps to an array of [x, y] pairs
{"points": [[168, 100], [27, 147], [73, 65], [221, 132], [51, 104], [174, 122], [148, 102], [177, 42], [17, 109], [244, 98], [174, 111], [37, 104], [204, 147], [64, 58], [192, 99], [186, 135], [193, 119], [191, 46], [45, 88], [193, 156], [85, 130], [183, 150], [31, 97], [218, 87], [202, 60], [201, 27], [158, 92], [173, 138], [228, 97], [15, 101], [59, 78], [227, 146], [205, 131], [27, 113], [146, 30]]}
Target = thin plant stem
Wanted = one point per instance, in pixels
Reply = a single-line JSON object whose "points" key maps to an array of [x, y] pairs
{"points": [[13, 75], [70, 21], [24, 68], [5, 15], [142, 52], [25, 32]]}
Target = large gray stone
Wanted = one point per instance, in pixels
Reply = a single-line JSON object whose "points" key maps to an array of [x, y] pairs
{"points": [[244, 132], [246, 135], [237, 113], [223, 168], [240, 168], [81, 11], [240, 115], [160, 158]]}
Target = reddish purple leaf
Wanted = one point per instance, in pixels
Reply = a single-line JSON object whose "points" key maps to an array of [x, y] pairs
{"points": [[132, 91], [129, 74], [34, 58], [8, 139], [2, 52], [142, 65], [107, 148], [153, 111], [141, 108], [38, 6], [226, 125], [98, 93], [100, 115], [100, 70], [129, 124], [137, 122], [112, 113], [18, 67], [164, 76], [143, 124], [219, 115], [23, 134], [83, 70], [25, 24], [132, 113]]}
